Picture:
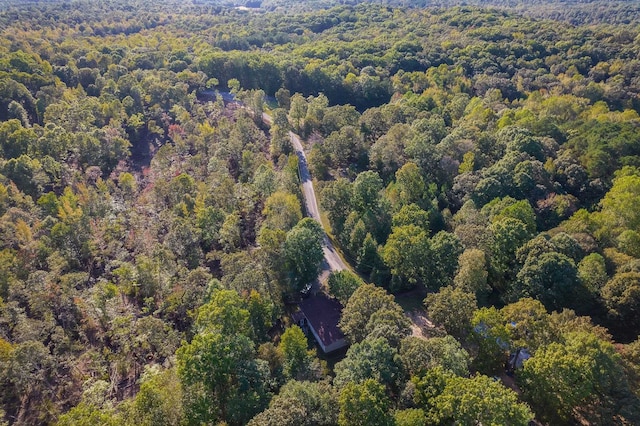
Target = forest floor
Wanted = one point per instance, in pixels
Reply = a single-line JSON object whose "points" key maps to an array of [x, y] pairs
{"points": [[421, 326], [411, 303]]}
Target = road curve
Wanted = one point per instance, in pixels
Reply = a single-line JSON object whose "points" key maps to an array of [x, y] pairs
{"points": [[333, 261]]}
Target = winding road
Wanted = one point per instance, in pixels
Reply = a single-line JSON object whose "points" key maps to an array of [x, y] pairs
{"points": [[332, 260]]}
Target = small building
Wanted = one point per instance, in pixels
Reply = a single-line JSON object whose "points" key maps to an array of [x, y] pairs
{"points": [[517, 359], [320, 315]]}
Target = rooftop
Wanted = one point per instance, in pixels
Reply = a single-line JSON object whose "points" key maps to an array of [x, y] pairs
{"points": [[323, 314]]}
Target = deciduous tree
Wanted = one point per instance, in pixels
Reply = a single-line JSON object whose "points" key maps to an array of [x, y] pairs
{"points": [[342, 284], [452, 308], [365, 301], [303, 254], [408, 254], [364, 404], [293, 345], [564, 376], [418, 355], [372, 358]]}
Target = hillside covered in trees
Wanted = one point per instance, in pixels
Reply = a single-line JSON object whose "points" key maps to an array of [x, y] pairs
{"points": [[478, 167]]}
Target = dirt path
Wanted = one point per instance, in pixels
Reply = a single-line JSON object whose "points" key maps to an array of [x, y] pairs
{"points": [[421, 326]]}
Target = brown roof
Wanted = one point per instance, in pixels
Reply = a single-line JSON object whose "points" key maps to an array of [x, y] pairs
{"points": [[323, 314]]}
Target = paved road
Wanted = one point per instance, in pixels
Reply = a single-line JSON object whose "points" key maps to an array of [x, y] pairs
{"points": [[333, 261]]}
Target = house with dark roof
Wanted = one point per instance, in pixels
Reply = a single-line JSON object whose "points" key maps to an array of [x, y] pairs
{"points": [[320, 315]]}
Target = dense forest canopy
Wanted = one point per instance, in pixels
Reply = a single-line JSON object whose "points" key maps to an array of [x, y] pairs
{"points": [[477, 166]]}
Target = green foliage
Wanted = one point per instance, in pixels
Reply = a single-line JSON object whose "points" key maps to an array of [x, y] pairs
{"points": [[520, 140], [369, 259], [230, 233], [336, 200], [621, 295], [301, 403], [282, 211], [25, 372], [87, 415], [551, 277], [222, 380], [147, 188], [387, 156], [574, 374], [159, 401], [303, 252], [472, 273], [507, 236], [225, 313], [261, 314], [407, 253], [372, 358], [411, 214], [528, 323], [491, 335], [499, 209], [293, 345], [427, 386], [631, 358], [318, 160], [366, 191], [343, 146], [447, 398], [297, 110], [618, 212], [629, 243], [411, 184], [446, 249], [410, 417], [362, 305], [418, 355], [389, 323], [364, 404], [343, 284], [27, 173], [451, 308], [480, 400]]}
